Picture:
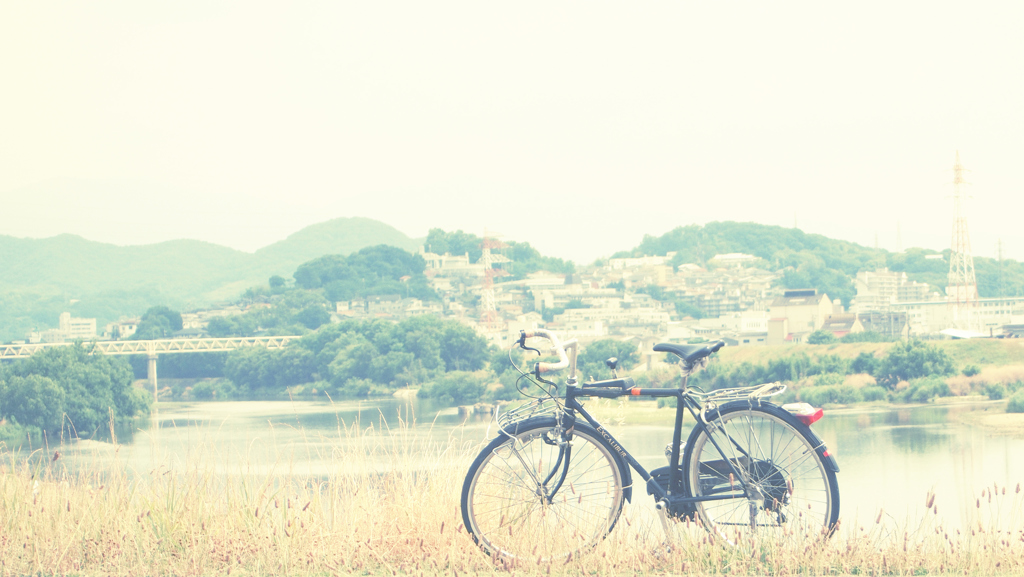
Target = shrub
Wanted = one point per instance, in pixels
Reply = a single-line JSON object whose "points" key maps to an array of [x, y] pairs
{"points": [[14, 435], [923, 390], [1016, 403], [821, 337], [214, 389], [356, 387], [842, 394], [971, 370], [828, 380], [457, 387], [864, 337], [874, 393], [995, 392]]}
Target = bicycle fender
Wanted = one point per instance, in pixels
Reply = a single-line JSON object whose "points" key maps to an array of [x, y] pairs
{"points": [[627, 479]]}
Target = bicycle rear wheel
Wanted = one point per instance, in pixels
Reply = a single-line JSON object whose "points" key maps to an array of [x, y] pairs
{"points": [[791, 488], [538, 494]]}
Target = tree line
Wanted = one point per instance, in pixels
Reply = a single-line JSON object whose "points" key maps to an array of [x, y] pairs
{"points": [[67, 390], [909, 371]]}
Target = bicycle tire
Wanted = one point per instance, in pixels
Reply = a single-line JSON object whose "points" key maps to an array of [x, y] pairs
{"points": [[502, 499], [796, 490]]}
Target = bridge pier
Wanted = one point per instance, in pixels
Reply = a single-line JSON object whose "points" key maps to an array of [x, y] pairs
{"points": [[151, 375]]}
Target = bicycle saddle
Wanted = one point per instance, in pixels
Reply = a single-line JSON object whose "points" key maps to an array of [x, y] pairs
{"points": [[689, 353]]}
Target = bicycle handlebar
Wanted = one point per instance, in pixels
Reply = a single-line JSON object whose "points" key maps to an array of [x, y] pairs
{"points": [[556, 347]]}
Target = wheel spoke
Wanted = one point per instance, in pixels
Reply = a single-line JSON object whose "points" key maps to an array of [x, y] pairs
{"points": [[509, 509], [788, 485]]}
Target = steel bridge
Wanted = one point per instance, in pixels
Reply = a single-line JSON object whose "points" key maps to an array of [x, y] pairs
{"points": [[153, 348]]}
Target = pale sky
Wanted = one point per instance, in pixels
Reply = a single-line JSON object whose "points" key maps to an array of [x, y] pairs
{"points": [[577, 126]]}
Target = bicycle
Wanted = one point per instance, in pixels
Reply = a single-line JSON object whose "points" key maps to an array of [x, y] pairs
{"points": [[551, 484]]}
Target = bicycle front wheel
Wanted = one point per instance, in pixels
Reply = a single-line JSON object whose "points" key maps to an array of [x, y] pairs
{"points": [[540, 493], [777, 460]]}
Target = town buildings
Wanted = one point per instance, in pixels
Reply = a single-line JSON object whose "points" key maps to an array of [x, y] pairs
{"points": [[733, 297]]}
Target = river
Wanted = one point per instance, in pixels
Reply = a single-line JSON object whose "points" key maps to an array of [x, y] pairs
{"points": [[890, 458]]}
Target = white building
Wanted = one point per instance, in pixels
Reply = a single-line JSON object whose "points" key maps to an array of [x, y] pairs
{"points": [[643, 261], [122, 329], [929, 317], [76, 328], [734, 259], [804, 309], [878, 290]]}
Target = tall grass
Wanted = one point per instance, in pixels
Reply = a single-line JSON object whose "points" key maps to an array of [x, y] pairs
{"points": [[390, 506]]}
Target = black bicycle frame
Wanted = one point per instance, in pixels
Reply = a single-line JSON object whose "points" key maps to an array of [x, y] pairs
{"points": [[683, 402]]}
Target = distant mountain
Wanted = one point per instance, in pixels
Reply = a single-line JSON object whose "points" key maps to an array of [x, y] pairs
{"points": [[43, 277], [338, 236]]}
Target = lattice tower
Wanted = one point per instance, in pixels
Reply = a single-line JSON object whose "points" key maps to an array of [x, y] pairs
{"points": [[488, 308], [962, 291]]}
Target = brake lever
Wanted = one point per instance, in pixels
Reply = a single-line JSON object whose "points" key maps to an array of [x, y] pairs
{"points": [[522, 343]]}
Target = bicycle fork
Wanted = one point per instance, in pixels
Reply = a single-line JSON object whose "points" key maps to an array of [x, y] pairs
{"points": [[561, 465]]}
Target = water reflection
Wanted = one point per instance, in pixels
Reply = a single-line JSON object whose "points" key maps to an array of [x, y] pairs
{"points": [[889, 458]]}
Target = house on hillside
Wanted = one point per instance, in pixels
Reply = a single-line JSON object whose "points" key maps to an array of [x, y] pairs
{"points": [[841, 325], [797, 313], [892, 325], [805, 309]]}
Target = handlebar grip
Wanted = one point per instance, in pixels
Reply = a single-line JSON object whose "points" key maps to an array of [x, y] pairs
{"points": [[543, 367], [563, 359]]}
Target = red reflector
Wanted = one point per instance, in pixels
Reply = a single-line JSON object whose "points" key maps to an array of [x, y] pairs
{"points": [[826, 453], [635, 392], [810, 417]]}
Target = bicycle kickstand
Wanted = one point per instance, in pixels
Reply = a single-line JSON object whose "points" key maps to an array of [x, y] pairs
{"points": [[662, 508]]}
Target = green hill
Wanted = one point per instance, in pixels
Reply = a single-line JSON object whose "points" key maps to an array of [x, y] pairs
{"points": [[816, 261], [44, 277]]}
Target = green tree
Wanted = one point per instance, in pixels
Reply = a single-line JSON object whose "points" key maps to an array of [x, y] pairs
{"points": [[159, 322], [373, 270], [96, 387], [385, 368], [590, 364], [250, 368], [912, 359], [34, 401], [454, 243], [312, 317], [462, 349], [866, 363]]}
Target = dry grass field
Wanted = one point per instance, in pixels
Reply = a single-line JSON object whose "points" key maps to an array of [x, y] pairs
{"points": [[114, 521]]}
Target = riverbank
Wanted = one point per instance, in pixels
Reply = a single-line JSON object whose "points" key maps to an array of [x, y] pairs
{"points": [[193, 520], [995, 420]]}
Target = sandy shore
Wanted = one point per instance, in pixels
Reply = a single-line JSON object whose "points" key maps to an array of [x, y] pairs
{"points": [[996, 420]]}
